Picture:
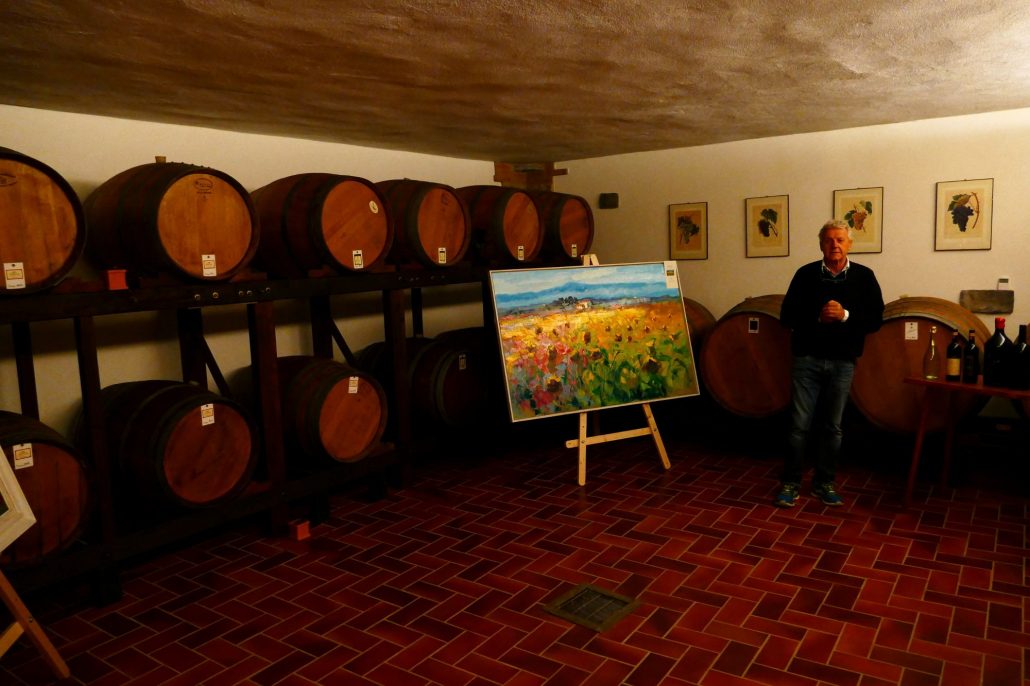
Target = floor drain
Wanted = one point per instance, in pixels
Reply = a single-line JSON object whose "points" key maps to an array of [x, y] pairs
{"points": [[592, 607]]}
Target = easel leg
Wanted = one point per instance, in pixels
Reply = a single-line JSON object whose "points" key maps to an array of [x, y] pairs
{"points": [[582, 448], [25, 623], [657, 436]]}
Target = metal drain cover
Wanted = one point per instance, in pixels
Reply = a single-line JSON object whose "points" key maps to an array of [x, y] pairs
{"points": [[592, 607]]}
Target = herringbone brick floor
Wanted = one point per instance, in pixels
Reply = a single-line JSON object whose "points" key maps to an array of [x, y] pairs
{"points": [[443, 582]]}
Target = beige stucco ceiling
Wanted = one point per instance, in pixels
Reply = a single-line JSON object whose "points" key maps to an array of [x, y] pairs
{"points": [[517, 81]]}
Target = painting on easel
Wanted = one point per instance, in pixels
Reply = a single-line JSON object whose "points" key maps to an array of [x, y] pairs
{"points": [[586, 338]]}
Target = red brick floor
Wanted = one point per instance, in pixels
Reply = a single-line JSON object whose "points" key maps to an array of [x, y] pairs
{"points": [[443, 582]]}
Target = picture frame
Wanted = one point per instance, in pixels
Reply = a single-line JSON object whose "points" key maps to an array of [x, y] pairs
{"points": [[964, 214], [688, 231], [767, 226], [862, 209], [15, 514]]}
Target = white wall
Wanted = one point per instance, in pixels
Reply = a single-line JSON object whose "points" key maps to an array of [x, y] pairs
{"points": [[905, 159], [88, 150]]}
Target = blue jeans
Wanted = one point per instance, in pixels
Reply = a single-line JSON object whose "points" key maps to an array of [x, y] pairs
{"points": [[819, 391]]}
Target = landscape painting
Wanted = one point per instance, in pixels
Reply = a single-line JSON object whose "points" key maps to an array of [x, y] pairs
{"points": [[584, 338]]}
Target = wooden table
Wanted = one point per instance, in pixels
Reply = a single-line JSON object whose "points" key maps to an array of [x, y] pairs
{"points": [[943, 391]]}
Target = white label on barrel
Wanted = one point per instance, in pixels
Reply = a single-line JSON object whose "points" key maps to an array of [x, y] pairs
{"points": [[911, 331], [14, 275], [207, 264], [462, 362], [522, 252], [22, 455], [575, 250], [373, 206], [352, 385], [207, 414], [359, 259], [752, 324], [441, 255]]}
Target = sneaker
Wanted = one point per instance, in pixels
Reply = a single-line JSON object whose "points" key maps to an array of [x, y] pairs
{"points": [[828, 494], [787, 496]]}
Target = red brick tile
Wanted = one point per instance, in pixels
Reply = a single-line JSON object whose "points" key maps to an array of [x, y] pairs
{"points": [[866, 667]]}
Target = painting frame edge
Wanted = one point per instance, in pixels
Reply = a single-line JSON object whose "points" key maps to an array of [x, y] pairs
{"points": [[18, 517], [942, 207], [702, 252], [876, 191], [751, 250]]}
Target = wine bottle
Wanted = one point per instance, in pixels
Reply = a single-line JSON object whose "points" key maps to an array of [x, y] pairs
{"points": [[997, 356], [971, 360], [931, 360], [1021, 361], [953, 358]]}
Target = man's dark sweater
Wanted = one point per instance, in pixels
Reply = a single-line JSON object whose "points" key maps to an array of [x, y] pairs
{"points": [[812, 287]]}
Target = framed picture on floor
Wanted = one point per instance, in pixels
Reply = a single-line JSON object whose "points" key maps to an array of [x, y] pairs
{"points": [[964, 211], [862, 209], [767, 226], [688, 231]]}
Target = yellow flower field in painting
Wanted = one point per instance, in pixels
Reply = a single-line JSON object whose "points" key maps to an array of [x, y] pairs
{"points": [[566, 361]]}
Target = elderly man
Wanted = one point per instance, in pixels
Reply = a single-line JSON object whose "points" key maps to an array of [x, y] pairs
{"points": [[830, 306]]}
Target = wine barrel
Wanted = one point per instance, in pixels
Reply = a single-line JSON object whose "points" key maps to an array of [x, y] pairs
{"points": [[879, 391], [745, 361], [431, 223], [178, 444], [311, 221], [172, 218], [42, 224], [700, 322], [568, 227], [56, 484], [330, 410], [506, 228]]}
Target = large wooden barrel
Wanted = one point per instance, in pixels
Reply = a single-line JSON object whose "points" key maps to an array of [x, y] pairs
{"points": [[311, 221], [506, 227], [568, 227], [42, 224], [172, 218], [700, 322], [879, 391], [56, 484], [745, 361], [431, 223], [330, 410], [178, 444]]}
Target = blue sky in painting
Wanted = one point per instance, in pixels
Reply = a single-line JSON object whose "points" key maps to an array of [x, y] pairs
{"points": [[526, 288]]}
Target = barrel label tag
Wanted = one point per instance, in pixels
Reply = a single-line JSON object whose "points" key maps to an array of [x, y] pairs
{"points": [[22, 455], [463, 362], [209, 265], [14, 275], [207, 414], [441, 255], [352, 384], [752, 324], [359, 259], [373, 206], [522, 253], [911, 331], [574, 250]]}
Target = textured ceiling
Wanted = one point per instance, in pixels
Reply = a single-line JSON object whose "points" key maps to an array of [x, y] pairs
{"points": [[517, 81]]}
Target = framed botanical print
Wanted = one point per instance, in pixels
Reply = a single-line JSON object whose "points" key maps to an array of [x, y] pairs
{"points": [[862, 209], [688, 231], [964, 210], [767, 226]]}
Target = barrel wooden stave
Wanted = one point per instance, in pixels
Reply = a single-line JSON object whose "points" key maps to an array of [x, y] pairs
{"points": [[56, 487], [747, 368], [323, 415], [315, 220], [506, 226], [431, 223], [568, 227], [163, 218], [42, 224], [879, 391], [164, 451]]}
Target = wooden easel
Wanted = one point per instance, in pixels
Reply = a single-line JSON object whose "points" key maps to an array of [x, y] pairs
{"points": [[24, 623], [583, 441]]}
